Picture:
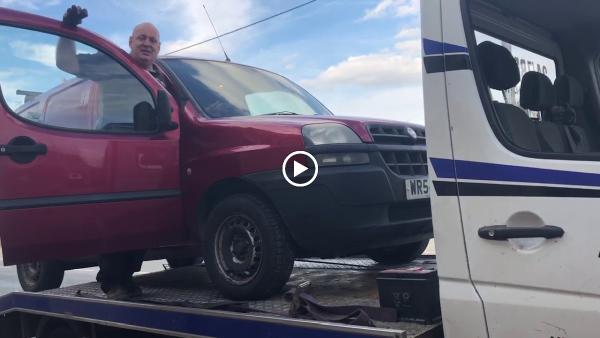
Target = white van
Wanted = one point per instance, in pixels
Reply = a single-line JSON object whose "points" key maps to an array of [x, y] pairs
{"points": [[512, 105]]}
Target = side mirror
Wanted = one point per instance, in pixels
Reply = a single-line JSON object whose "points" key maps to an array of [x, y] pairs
{"points": [[144, 117], [163, 110]]}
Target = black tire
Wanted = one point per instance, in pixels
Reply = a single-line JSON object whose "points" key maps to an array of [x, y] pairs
{"points": [[40, 276], [246, 248], [399, 255], [181, 262]]}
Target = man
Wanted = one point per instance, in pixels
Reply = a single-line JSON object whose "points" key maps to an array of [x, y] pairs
{"points": [[144, 43], [116, 269]]}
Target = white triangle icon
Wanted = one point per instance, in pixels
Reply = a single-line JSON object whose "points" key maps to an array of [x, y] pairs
{"points": [[299, 168]]}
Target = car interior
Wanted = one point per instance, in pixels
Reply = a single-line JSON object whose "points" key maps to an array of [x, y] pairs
{"points": [[566, 107]]}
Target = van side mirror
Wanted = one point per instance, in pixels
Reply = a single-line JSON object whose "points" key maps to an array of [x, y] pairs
{"points": [[163, 110]]}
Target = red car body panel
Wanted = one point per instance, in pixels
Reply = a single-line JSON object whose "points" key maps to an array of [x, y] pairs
{"points": [[77, 231]]}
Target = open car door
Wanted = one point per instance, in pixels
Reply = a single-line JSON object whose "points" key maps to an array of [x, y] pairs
{"points": [[77, 177]]}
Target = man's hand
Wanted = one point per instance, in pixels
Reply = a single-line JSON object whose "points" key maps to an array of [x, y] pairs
{"points": [[73, 16]]}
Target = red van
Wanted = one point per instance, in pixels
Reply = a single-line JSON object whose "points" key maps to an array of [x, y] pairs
{"points": [[117, 161]]}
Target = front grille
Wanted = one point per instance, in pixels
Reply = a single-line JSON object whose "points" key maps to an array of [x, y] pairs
{"points": [[406, 162], [385, 134], [403, 161]]}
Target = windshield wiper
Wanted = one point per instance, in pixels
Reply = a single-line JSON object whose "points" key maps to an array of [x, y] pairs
{"points": [[282, 113]]}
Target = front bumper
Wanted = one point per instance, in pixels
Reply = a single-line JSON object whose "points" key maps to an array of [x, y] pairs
{"points": [[348, 209]]}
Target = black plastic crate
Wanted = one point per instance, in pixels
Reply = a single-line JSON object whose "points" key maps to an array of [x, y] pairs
{"points": [[413, 291]]}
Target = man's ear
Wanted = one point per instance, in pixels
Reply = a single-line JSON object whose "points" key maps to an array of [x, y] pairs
{"points": [[130, 41], [158, 49]]}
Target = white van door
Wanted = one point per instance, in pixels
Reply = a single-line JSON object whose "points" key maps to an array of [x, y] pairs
{"points": [[462, 311], [527, 192]]}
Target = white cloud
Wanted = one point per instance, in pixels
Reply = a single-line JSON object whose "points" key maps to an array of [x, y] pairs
{"points": [[400, 67], [398, 8], [385, 84], [409, 48], [384, 69], [400, 104], [14, 79], [409, 33], [38, 52]]}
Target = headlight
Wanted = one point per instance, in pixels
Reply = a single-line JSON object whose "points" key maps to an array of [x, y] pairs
{"points": [[328, 133], [337, 159]]}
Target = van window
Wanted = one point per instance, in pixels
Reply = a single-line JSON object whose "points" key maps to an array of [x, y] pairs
{"points": [[538, 78], [527, 61], [58, 82]]}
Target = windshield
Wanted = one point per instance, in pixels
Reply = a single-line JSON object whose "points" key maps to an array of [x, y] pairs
{"points": [[224, 89]]}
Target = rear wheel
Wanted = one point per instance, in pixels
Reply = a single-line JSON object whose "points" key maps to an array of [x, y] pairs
{"points": [[247, 251], [40, 276], [399, 255]]}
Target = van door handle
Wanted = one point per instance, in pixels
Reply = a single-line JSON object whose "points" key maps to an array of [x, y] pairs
{"points": [[502, 232]]}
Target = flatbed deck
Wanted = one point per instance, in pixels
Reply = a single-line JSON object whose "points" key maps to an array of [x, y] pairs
{"points": [[177, 301]]}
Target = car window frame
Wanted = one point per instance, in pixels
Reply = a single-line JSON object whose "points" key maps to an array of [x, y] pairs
{"points": [[85, 42]]}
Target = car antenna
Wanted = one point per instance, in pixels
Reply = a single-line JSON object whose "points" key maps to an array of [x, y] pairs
{"points": [[217, 34]]}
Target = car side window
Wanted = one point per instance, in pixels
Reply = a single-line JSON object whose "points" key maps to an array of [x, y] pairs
{"points": [[58, 82]]}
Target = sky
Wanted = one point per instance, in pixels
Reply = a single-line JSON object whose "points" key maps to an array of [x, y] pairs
{"points": [[358, 57]]}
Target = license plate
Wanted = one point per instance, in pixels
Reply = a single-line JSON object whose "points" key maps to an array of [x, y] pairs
{"points": [[417, 188]]}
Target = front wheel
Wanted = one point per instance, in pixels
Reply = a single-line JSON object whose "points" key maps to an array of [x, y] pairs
{"points": [[40, 276], [399, 255], [246, 248]]}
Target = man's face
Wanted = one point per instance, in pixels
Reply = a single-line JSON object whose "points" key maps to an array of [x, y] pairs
{"points": [[144, 44]]}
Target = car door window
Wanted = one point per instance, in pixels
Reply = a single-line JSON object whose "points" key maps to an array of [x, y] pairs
{"points": [[75, 87]]}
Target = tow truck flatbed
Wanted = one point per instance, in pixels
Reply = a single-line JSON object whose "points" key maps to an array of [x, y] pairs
{"points": [[183, 303]]}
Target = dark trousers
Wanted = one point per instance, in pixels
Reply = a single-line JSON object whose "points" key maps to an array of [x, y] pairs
{"points": [[116, 269]]}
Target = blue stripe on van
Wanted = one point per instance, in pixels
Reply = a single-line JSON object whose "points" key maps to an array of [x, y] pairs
{"points": [[470, 170], [431, 47]]}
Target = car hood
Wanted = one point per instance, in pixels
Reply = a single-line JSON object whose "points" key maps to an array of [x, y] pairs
{"points": [[360, 125]]}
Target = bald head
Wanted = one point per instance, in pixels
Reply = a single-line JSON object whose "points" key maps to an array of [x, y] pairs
{"points": [[145, 44]]}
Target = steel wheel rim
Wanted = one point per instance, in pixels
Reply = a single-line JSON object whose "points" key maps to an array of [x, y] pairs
{"points": [[238, 249]]}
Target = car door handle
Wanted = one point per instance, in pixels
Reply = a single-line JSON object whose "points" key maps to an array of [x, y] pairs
{"points": [[23, 149], [9, 149], [502, 232]]}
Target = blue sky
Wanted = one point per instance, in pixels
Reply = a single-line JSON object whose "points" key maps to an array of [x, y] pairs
{"points": [[359, 57]]}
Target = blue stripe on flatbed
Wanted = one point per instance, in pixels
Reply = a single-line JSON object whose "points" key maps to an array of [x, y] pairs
{"points": [[169, 319]]}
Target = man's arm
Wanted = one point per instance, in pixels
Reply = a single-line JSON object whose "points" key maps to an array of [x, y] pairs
{"points": [[66, 57]]}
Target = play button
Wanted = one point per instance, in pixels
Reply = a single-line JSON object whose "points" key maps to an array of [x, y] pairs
{"points": [[302, 167], [299, 168]]}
